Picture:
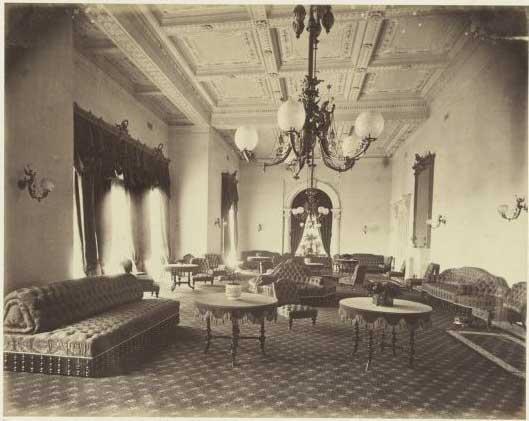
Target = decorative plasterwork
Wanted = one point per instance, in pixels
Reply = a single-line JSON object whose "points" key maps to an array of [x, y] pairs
{"points": [[236, 62], [137, 54]]}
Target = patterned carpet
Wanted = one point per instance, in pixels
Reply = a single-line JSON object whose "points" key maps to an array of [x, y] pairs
{"points": [[308, 372]]}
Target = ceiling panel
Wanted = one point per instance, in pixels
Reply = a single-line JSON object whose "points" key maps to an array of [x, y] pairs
{"points": [[433, 35], [216, 48], [337, 44], [243, 89], [402, 81]]}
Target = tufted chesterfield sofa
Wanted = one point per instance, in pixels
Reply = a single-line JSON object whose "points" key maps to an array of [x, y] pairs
{"points": [[470, 288], [311, 289], [515, 303], [84, 327]]}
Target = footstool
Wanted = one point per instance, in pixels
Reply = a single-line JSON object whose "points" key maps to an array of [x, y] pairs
{"points": [[297, 311]]}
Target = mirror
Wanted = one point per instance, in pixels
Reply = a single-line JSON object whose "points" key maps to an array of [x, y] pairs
{"points": [[422, 208]]}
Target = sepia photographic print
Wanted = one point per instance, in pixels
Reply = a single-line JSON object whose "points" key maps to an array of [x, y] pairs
{"points": [[265, 210]]}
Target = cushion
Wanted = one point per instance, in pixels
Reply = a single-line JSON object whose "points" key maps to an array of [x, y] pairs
{"points": [[297, 311], [94, 335], [40, 309]]}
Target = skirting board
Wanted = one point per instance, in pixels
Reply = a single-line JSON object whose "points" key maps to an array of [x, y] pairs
{"points": [[480, 350]]}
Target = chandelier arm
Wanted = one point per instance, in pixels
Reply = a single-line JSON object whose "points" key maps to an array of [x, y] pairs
{"points": [[366, 143], [278, 160], [292, 134], [301, 164], [329, 162]]}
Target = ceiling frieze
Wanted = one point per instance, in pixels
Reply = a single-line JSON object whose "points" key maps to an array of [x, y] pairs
{"points": [[177, 56], [137, 50]]}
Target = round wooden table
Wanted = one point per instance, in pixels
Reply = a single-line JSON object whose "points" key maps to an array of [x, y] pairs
{"points": [[261, 260], [253, 307], [179, 269], [362, 311]]}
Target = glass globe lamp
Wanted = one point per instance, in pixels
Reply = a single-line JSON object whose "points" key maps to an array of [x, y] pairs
{"points": [[369, 124], [291, 115], [246, 138], [350, 145]]}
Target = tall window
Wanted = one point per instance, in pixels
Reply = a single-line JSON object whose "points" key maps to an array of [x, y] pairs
{"points": [[77, 269], [157, 233], [121, 246]]}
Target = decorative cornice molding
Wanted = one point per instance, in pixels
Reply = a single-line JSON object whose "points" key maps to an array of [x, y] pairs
{"points": [[136, 51]]}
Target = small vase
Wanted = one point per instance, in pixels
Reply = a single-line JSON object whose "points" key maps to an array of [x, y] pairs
{"points": [[233, 291], [382, 300]]}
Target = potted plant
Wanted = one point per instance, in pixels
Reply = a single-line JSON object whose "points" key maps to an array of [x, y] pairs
{"points": [[383, 293], [233, 290]]}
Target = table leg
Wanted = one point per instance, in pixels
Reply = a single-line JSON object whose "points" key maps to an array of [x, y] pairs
{"points": [[234, 339], [356, 337], [369, 348], [208, 333], [189, 281], [393, 341], [260, 267], [262, 337], [173, 277], [412, 346], [382, 339]]}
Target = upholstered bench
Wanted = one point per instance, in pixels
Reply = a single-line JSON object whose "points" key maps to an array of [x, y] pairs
{"points": [[84, 327]]}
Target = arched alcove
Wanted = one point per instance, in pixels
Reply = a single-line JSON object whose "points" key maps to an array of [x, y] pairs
{"points": [[336, 213]]}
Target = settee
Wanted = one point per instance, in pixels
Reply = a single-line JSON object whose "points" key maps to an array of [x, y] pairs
{"points": [[88, 327], [254, 265], [475, 290], [311, 289], [374, 263]]}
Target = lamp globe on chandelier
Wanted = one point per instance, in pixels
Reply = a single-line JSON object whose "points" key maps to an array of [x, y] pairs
{"points": [[309, 121]]}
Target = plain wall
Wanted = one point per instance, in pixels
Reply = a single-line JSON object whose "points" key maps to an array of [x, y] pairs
{"points": [[364, 193], [478, 131], [39, 131], [188, 151]]}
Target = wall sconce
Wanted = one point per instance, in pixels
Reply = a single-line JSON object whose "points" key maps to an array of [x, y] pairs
{"points": [[441, 220], [218, 223], [504, 212], [36, 190], [259, 227]]}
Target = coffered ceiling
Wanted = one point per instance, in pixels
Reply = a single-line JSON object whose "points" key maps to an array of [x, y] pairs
{"points": [[228, 65]]}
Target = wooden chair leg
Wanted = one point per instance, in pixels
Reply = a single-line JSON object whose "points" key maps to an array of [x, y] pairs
{"points": [[290, 321], [314, 320]]}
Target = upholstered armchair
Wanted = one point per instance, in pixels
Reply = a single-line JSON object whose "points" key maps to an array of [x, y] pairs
{"points": [[217, 266], [313, 288], [204, 274], [515, 303]]}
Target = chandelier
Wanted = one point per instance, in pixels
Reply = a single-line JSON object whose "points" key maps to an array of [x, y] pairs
{"points": [[309, 121]]}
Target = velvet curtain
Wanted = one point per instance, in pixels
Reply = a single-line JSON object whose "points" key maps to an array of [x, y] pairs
{"points": [[296, 231], [102, 152], [229, 199]]}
